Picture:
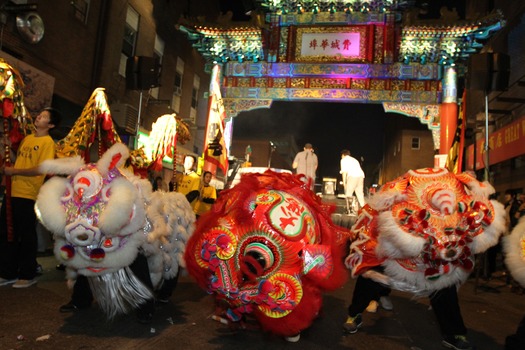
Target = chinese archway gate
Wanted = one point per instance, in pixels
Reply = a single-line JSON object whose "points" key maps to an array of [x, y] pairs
{"points": [[347, 51]]}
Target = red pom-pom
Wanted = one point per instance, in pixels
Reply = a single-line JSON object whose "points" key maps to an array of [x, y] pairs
{"points": [[67, 252], [107, 123], [97, 254], [7, 107]]}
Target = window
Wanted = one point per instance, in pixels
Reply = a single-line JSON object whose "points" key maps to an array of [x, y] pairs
{"points": [[195, 91], [415, 142], [129, 40], [194, 99], [81, 9], [158, 52], [177, 85]]}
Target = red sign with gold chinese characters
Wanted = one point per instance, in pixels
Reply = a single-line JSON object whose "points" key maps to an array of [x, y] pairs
{"points": [[507, 142]]}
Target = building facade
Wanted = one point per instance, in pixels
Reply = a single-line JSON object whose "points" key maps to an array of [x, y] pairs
{"points": [[86, 44], [497, 113]]}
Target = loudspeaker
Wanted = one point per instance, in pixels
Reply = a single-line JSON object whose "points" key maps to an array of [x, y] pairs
{"points": [[488, 72], [142, 73], [500, 72]]}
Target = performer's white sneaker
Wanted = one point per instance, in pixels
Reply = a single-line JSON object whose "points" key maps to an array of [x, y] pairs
{"points": [[386, 303], [5, 282], [24, 283]]}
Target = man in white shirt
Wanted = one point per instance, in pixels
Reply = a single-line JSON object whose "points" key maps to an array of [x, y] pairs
{"points": [[306, 163], [353, 177]]}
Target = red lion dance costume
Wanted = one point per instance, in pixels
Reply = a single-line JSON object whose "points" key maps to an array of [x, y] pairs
{"points": [[424, 228], [268, 248]]}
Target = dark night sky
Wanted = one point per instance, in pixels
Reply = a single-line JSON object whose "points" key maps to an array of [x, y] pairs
{"points": [[330, 127]]}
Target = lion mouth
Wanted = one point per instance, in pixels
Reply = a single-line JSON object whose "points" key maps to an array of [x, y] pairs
{"points": [[96, 269]]}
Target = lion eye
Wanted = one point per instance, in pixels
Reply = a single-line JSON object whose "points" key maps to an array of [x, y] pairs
{"points": [[261, 254]]}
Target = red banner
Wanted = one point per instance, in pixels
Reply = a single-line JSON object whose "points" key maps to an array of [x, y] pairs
{"points": [[506, 143]]}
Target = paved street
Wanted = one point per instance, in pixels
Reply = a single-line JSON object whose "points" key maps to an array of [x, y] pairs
{"points": [[490, 312], [29, 319]]}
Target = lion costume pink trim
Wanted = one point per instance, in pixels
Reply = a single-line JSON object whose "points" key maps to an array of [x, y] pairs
{"points": [[268, 248]]}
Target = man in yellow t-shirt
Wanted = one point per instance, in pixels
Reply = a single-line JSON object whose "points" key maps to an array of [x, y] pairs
{"points": [[190, 183], [207, 196], [18, 257]]}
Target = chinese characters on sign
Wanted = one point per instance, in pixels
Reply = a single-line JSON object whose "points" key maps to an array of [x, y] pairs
{"points": [[330, 44]]}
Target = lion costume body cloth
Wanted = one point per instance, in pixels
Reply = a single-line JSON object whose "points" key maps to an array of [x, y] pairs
{"points": [[420, 232], [268, 248], [514, 249], [102, 217]]}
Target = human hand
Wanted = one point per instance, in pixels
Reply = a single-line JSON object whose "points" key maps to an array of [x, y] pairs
{"points": [[8, 170]]}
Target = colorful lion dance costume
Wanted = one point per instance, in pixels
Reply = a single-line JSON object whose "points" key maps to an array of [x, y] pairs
{"points": [[102, 217], [268, 248], [423, 229]]}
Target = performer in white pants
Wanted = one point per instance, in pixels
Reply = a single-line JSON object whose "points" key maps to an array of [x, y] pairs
{"points": [[353, 178]]}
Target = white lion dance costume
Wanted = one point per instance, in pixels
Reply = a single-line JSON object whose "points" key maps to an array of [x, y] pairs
{"points": [[103, 217], [424, 229], [514, 249]]}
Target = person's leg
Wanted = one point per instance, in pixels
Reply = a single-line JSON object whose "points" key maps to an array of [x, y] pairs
{"points": [[384, 298], [359, 191], [140, 269], [81, 296], [166, 289], [8, 250], [24, 220], [445, 304], [516, 341], [365, 291], [351, 183]]}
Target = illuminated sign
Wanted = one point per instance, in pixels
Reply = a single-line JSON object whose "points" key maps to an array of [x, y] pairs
{"points": [[332, 44]]}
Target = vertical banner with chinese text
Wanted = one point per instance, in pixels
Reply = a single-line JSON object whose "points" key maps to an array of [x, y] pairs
{"points": [[215, 150]]}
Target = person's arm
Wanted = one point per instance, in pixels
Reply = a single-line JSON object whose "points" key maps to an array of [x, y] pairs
{"points": [[295, 163], [192, 195], [209, 195], [12, 171]]}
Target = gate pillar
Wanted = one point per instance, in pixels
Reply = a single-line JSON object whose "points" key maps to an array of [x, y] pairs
{"points": [[448, 110]]}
